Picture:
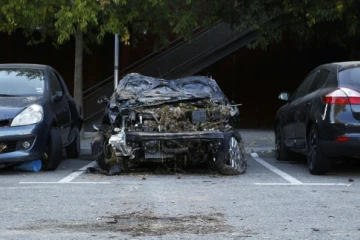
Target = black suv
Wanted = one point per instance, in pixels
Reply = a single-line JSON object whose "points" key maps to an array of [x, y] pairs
{"points": [[322, 118]]}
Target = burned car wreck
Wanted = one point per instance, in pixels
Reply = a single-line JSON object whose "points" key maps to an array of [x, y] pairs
{"points": [[181, 121]]}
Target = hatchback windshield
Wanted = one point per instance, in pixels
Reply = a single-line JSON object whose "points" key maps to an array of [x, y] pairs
{"points": [[350, 77], [21, 82]]}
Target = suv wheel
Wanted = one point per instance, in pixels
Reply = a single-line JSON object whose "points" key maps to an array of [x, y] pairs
{"points": [[317, 162], [281, 152]]}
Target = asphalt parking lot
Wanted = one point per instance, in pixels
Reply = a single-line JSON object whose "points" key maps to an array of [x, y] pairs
{"points": [[272, 200], [263, 169]]}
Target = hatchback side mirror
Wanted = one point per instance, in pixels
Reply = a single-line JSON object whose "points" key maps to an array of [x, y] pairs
{"points": [[284, 96], [103, 100], [58, 96]]}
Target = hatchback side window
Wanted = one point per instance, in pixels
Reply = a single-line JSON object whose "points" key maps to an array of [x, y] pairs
{"points": [[55, 84], [302, 89], [319, 80]]}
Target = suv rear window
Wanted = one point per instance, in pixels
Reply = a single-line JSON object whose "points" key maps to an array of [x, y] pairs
{"points": [[350, 77]]}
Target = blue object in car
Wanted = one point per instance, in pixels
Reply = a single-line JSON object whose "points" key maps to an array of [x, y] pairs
{"points": [[29, 166]]}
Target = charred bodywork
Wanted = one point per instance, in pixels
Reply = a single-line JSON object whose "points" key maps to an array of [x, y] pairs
{"points": [[157, 120]]}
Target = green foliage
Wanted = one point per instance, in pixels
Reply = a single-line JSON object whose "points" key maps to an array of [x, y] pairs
{"points": [[130, 19], [32, 16], [320, 21], [305, 20], [78, 15]]}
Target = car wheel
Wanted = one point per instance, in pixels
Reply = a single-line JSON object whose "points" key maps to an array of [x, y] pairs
{"points": [[73, 150], [53, 151], [281, 152], [100, 151], [317, 162], [231, 159]]}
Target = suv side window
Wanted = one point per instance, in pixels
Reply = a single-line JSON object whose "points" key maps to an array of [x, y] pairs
{"points": [[332, 81], [302, 89], [55, 84], [319, 80]]}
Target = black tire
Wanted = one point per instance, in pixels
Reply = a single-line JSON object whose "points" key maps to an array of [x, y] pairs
{"points": [[231, 158], [53, 152], [100, 151], [281, 153], [317, 162], [73, 150]]}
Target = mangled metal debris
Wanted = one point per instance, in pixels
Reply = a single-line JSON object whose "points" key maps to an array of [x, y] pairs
{"points": [[183, 120]]}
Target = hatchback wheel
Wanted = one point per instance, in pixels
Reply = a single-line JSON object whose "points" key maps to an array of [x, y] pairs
{"points": [[317, 162], [53, 152]]}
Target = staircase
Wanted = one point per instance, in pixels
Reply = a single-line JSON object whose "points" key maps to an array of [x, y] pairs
{"points": [[185, 58]]}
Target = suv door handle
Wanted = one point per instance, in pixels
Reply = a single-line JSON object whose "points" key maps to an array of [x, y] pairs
{"points": [[308, 104]]}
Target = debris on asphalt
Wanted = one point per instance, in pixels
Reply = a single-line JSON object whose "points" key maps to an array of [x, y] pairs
{"points": [[115, 170]]}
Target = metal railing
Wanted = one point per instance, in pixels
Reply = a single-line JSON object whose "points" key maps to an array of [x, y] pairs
{"points": [[215, 37]]}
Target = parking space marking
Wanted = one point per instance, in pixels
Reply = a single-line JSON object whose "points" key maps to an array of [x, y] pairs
{"points": [[282, 174], [77, 173], [304, 184], [64, 182], [293, 181], [72, 176]]}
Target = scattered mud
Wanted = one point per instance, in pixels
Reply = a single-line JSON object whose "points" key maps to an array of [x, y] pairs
{"points": [[148, 224], [140, 224]]}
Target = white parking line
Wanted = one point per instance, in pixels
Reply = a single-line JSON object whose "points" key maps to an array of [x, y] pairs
{"points": [[76, 174], [64, 182], [304, 184], [293, 181], [71, 177], [282, 174]]}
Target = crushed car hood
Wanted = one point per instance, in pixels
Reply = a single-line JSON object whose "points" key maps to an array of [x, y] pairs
{"points": [[145, 89], [12, 106]]}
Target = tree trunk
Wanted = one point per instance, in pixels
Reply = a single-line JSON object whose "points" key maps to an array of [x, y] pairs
{"points": [[78, 79]]}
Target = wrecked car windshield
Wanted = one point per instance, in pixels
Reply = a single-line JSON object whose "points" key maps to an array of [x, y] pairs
{"points": [[197, 86], [161, 90], [21, 82], [151, 89], [137, 86]]}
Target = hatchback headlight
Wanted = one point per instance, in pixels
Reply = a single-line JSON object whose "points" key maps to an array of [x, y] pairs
{"points": [[31, 115]]}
